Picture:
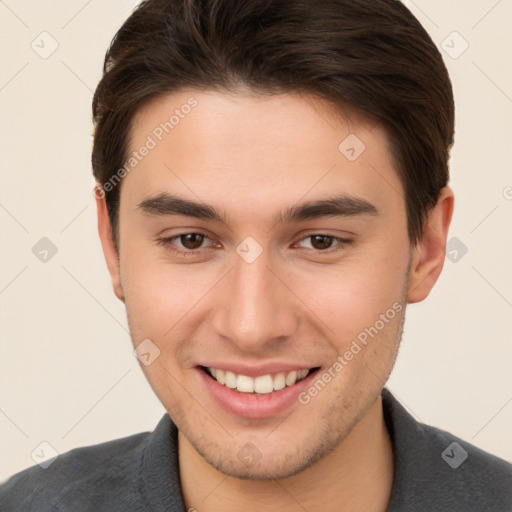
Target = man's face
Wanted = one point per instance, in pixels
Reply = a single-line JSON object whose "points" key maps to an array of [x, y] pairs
{"points": [[256, 295]]}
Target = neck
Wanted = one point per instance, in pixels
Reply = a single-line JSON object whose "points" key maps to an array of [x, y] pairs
{"points": [[357, 476]]}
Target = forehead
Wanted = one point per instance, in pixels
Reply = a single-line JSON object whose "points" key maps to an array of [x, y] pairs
{"points": [[265, 151]]}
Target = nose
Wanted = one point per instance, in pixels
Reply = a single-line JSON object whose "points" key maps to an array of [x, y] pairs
{"points": [[255, 310]]}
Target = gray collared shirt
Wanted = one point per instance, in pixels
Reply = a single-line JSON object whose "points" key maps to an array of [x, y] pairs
{"points": [[434, 471]]}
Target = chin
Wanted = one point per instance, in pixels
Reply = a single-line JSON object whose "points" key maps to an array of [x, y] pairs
{"points": [[261, 472], [277, 463]]}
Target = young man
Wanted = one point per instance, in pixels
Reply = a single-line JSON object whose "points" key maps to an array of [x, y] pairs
{"points": [[272, 192]]}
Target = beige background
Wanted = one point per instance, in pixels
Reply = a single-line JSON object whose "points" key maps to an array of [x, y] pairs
{"points": [[68, 376]]}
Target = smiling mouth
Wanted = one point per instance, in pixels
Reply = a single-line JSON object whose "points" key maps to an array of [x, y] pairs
{"points": [[262, 385]]}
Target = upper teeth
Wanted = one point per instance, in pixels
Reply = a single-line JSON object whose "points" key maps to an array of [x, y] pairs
{"points": [[261, 384]]}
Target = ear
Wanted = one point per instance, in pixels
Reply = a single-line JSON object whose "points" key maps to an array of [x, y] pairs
{"points": [[107, 241], [429, 252]]}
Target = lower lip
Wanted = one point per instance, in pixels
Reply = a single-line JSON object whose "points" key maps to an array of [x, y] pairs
{"points": [[252, 405]]}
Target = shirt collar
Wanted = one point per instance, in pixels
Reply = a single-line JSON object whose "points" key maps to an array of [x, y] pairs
{"points": [[160, 466]]}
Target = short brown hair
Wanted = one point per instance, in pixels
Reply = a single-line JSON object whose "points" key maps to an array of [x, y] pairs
{"points": [[371, 55]]}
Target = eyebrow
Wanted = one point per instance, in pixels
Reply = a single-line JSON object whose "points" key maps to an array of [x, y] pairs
{"points": [[338, 206]]}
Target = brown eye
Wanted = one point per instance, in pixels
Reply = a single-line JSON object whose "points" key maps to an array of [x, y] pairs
{"points": [[191, 240], [321, 242]]}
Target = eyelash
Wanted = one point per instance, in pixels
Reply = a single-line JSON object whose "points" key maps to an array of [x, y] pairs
{"points": [[167, 243]]}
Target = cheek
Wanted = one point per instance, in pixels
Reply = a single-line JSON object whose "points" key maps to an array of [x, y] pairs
{"points": [[351, 296], [160, 295]]}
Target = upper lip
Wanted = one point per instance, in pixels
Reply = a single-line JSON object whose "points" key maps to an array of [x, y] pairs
{"points": [[259, 369]]}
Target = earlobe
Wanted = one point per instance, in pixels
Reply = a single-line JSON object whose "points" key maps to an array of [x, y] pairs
{"points": [[107, 242], [429, 253]]}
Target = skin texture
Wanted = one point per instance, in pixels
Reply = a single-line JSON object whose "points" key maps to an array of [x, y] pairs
{"points": [[250, 157]]}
